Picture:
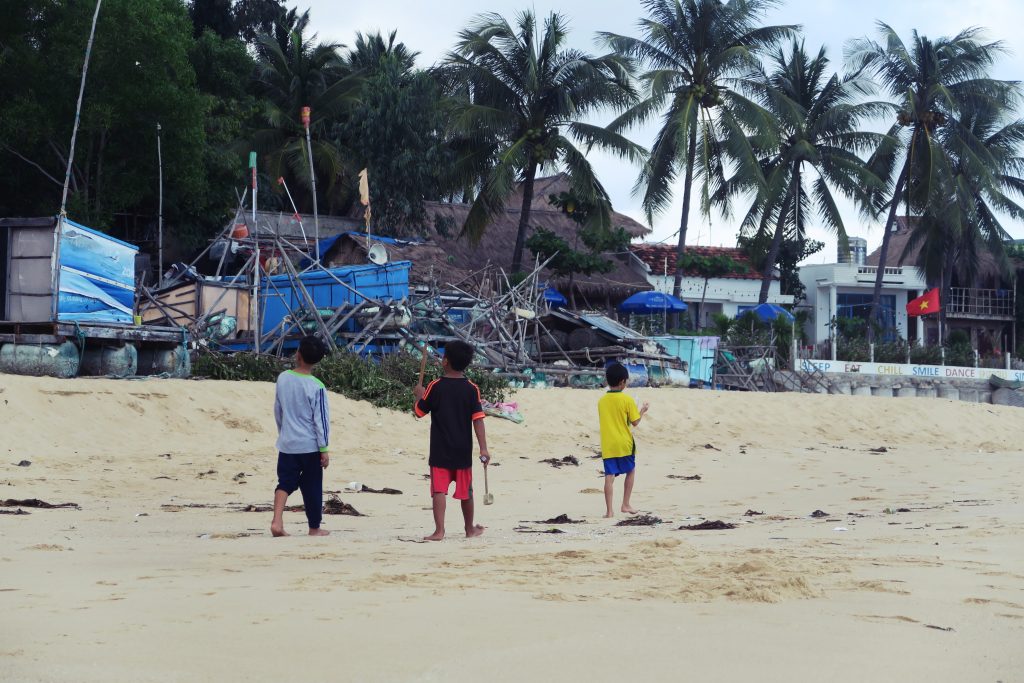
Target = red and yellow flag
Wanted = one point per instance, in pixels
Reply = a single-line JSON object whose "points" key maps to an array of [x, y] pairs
{"points": [[924, 304]]}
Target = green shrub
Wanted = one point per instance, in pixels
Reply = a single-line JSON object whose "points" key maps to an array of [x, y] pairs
{"points": [[853, 350], [891, 352], [386, 383], [926, 355]]}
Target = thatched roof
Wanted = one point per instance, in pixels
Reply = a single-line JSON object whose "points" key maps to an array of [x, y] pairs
{"points": [[990, 272]]}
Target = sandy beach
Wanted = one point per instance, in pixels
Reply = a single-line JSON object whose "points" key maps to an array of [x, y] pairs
{"points": [[915, 572]]}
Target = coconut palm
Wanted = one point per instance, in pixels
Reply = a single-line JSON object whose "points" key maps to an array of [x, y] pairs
{"points": [[933, 82], [696, 51], [307, 74], [963, 221], [371, 48], [521, 103], [818, 118]]}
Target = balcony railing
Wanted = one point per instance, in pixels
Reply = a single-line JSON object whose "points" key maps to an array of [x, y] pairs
{"points": [[967, 302], [873, 270]]}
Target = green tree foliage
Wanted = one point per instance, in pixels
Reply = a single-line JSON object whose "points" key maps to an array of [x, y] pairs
{"points": [[818, 118], [140, 75], [936, 84], [696, 52], [522, 98], [568, 258], [394, 130], [792, 252]]}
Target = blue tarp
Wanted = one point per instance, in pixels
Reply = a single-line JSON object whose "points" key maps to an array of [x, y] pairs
{"points": [[97, 276], [555, 298], [387, 283]]}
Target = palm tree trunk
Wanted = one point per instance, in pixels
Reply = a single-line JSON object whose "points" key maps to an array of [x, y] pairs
{"points": [[947, 288], [524, 217], [883, 253], [776, 246], [684, 221]]}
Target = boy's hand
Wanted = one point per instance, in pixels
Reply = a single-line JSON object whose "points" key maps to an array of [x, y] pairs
{"points": [[485, 458], [417, 391], [325, 460], [644, 408]]}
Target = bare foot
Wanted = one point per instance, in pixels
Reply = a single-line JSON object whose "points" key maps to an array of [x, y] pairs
{"points": [[277, 530], [474, 531], [628, 510], [436, 536], [609, 515], [319, 532]]}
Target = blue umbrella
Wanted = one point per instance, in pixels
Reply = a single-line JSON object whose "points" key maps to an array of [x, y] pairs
{"points": [[646, 303], [555, 298], [772, 312]]}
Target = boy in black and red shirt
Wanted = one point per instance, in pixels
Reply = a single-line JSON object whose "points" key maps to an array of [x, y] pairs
{"points": [[455, 413]]}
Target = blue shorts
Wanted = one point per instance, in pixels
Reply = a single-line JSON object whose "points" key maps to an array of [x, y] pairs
{"points": [[617, 466]]}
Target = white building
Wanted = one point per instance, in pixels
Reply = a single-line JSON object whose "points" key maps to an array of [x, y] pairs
{"points": [[845, 290], [731, 294]]}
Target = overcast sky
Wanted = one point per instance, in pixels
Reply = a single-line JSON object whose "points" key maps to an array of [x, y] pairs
{"points": [[431, 27]]}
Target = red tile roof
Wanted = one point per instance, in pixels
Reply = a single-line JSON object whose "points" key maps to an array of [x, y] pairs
{"points": [[656, 256]]}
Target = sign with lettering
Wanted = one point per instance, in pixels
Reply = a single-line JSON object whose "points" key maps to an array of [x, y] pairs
{"points": [[906, 370]]}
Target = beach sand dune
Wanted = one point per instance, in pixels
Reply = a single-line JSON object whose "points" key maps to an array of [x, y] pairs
{"points": [[888, 544]]}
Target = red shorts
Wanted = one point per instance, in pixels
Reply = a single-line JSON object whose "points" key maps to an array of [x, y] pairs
{"points": [[441, 479]]}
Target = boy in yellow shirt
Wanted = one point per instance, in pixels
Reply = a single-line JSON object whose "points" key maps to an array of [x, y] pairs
{"points": [[618, 412]]}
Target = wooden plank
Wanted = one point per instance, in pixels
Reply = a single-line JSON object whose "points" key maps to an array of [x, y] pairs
{"points": [[31, 339]]}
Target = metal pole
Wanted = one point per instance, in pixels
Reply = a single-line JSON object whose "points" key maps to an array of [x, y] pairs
{"points": [[254, 316], [160, 211], [59, 228], [312, 177]]}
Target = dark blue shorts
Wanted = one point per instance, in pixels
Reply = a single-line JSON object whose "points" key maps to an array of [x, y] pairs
{"points": [[617, 466]]}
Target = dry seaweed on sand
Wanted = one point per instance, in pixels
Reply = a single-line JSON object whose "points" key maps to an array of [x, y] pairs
{"points": [[880, 449], [752, 513], [22, 463], [708, 526], [36, 503], [560, 519], [819, 513], [270, 508], [528, 530], [336, 506], [19, 511], [640, 520], [693, 477], [392, 492], [567, 460]]}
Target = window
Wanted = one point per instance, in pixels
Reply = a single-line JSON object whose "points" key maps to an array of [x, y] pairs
{"points": [[859, 306]]}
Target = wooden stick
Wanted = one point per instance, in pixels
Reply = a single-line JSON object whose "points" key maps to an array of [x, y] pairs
{"points": [[423, 365]]}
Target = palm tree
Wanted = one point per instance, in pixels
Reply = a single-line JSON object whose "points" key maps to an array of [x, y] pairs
{"points": [[521, 100], [933, 83], [305, 74], [963, 222], [371, 48], [818, 121], [696, 51]]}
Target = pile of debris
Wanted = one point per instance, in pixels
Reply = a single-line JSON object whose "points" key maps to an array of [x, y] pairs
{"points": [[281, 291]]}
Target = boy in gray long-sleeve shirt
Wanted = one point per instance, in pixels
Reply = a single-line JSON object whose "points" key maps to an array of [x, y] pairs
{"points": [[304, 428]]}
